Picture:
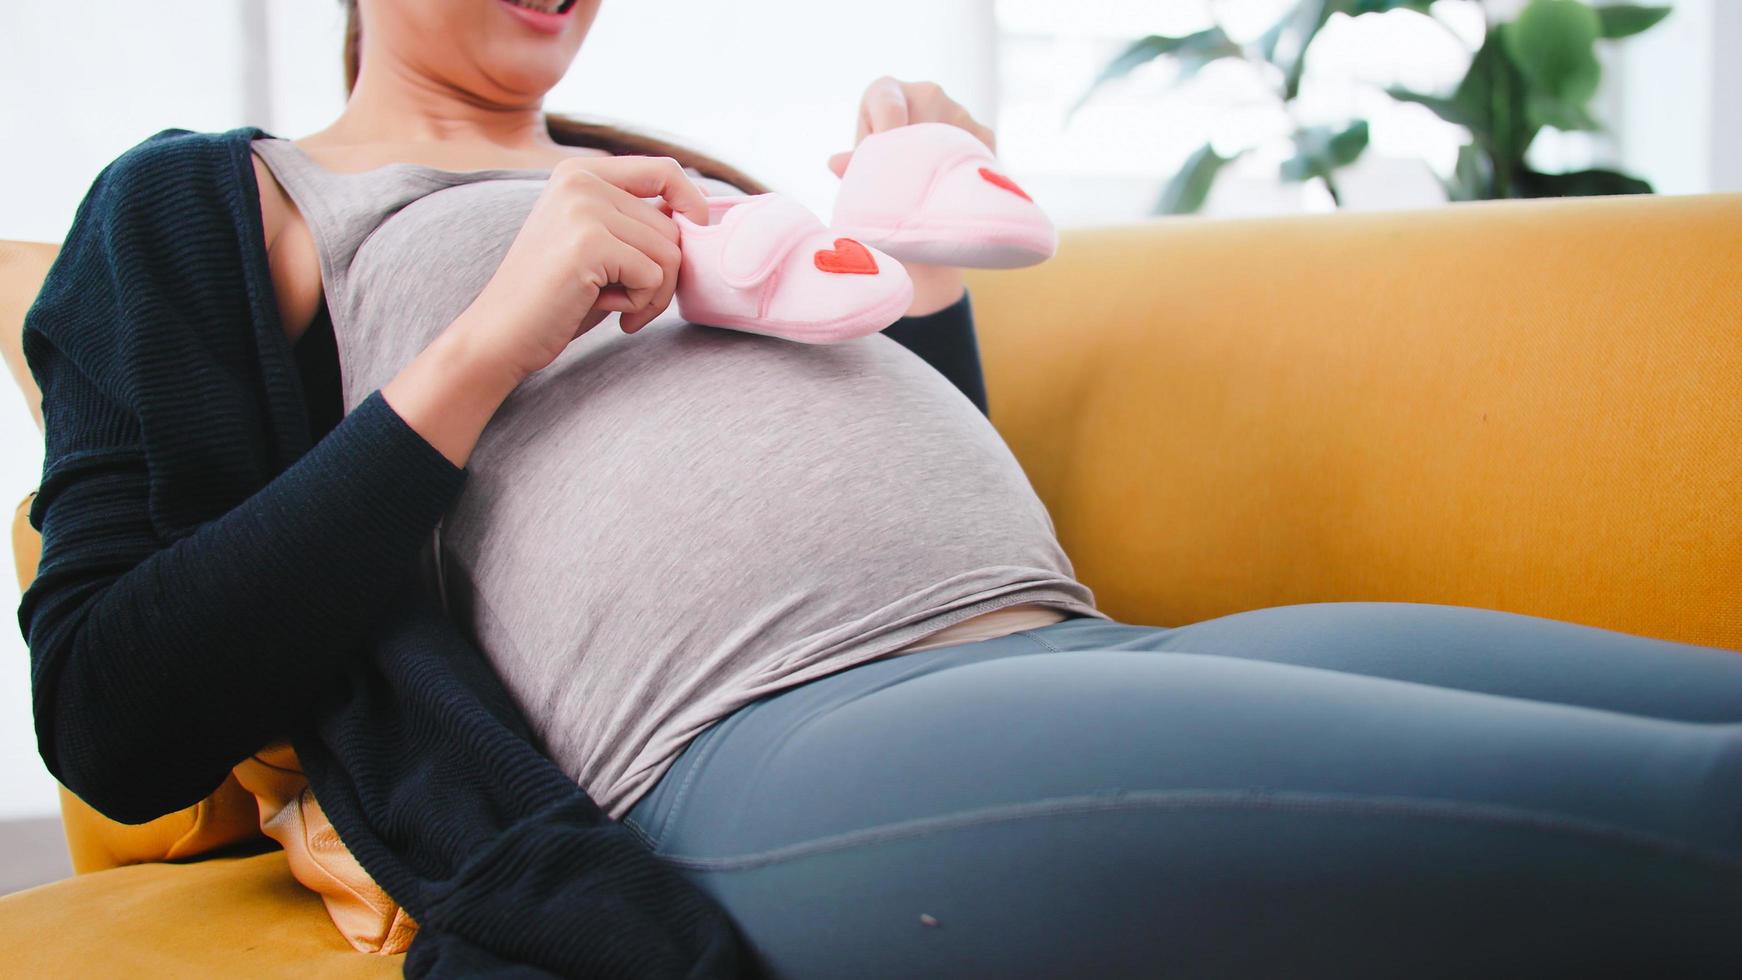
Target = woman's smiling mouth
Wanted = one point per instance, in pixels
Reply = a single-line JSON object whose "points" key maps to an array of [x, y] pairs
{"points": [[544, 16]]}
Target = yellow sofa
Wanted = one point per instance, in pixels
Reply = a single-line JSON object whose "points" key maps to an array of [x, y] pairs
{"points": [[1528, 406]]}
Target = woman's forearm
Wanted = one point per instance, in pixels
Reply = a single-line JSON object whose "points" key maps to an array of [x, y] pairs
{"points": [[157, 667], [945, 339], [450, 391], [934, 287]]}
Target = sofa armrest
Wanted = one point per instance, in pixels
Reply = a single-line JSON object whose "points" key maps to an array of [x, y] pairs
{"points": [[23, 265]]}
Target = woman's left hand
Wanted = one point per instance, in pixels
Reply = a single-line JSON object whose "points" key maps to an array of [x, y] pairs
{"points": [[887, 103]]}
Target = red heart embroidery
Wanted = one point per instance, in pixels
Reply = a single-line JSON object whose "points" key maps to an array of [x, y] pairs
{"points": [[847, 256], [994, 177]]}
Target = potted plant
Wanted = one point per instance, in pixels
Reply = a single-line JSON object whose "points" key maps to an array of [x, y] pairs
{"points": [[1537, 70]]}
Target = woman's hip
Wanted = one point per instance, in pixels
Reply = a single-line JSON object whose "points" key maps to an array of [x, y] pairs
{"points": [[1087, 710], [1083, 788]]}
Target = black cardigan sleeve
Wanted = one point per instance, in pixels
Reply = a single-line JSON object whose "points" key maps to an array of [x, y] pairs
{"points": [[945, 340], [158, 665]]}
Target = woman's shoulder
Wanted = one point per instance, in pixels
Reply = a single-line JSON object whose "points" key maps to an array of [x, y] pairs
{"points": [[177, 155], [155, 217], [173, 178], [169, 191]]}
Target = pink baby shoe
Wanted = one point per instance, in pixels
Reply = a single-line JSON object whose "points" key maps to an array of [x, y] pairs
{"points": [[765, 264], [931, 192]]}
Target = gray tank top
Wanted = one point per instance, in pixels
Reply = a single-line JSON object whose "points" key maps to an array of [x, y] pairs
{"points": [[658, 529]]}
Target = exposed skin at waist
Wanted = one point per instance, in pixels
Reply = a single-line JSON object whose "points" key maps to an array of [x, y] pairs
{"points": [[992, 623]]}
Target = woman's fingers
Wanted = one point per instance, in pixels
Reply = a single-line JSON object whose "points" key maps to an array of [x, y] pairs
{"points": [[593, 318], [650, 212], [644, 176], [648, 240], [642, 261], [889, 102], [614, 299], [884, 106], [625, 264]]}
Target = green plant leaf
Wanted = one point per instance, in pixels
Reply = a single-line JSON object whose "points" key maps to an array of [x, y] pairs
{"points": [[1304, 21], [1445, 108], [1310, 15], [1492, 98], [1546, 110], [1553, 42], [1297, 66], [1139, 53], [1583, 183], [1189, 188], [1356, 8], [1319, 150], [1270, 39], [1299, 26], [1473, 178], [1626, 19], [1195, 50]]}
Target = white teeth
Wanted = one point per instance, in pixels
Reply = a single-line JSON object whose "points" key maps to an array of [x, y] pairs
{"points": [[544, 7]]}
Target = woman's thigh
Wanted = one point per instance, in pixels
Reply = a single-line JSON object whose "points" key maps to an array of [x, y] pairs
{"points": [[1454, 646], [1004, 808]]}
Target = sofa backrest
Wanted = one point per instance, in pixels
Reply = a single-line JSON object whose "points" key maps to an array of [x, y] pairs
{"points": [[1532, 406]]}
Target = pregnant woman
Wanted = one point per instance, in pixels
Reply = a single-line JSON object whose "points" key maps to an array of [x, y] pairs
{"points": [[813, 688]]}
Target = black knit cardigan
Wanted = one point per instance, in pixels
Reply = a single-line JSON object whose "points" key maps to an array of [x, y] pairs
{"points": [[226, 562]]}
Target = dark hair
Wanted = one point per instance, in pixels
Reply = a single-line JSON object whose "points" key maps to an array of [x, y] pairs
{"points": [[570, 131]]}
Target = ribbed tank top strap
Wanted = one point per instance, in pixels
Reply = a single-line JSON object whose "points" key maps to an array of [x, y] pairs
{"points": [[341, 209]]}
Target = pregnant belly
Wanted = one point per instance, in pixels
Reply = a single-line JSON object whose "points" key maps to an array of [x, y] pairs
{"points": [[702, 477]]}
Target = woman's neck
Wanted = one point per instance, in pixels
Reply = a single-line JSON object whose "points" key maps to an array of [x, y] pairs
{"points": [[392, 104]]}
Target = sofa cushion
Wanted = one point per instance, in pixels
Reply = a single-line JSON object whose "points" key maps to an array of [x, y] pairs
{"points": [[370, 920], [240, 916]]}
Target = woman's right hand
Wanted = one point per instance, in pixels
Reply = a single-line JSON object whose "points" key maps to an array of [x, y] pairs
{"points": [[590, 246]]}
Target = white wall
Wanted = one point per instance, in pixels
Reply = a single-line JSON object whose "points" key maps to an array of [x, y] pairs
{"points": [[84, 82], [773, 87], [1680, 120], [1725, 121]]}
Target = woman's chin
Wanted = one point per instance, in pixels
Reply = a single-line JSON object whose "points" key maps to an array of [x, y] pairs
{"points": [[525, 61], [523, 80]]}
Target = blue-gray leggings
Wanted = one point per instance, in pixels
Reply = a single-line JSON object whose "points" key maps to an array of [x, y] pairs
{"points": [[1337, 790]]}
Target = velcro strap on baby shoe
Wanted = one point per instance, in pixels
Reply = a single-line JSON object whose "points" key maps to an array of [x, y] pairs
{"points": [[760, 233]]}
